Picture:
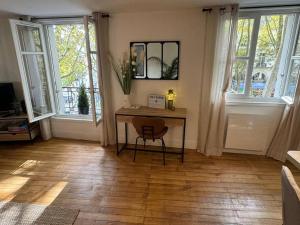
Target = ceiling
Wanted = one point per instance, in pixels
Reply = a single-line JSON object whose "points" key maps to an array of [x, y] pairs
{"points": [[44, 8]]}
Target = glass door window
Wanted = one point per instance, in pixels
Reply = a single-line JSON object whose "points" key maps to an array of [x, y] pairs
{"points": [[73, 57], [33, 64], [93, 68], [294, 70], [69, 62]]}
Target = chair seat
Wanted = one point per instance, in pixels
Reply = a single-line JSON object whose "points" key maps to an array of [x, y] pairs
{"points": [[150, 129], [156, 136]]}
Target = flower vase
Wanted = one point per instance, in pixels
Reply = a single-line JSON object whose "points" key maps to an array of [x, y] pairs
{"points": [[126, 101]]}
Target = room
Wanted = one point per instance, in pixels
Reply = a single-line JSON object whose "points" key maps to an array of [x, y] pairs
{"points": [[148, 112]]}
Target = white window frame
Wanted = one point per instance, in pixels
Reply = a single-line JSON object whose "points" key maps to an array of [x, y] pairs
{"points": [[292, 57], [86, 21], [256, 15], [14, 23], [55, 70]]}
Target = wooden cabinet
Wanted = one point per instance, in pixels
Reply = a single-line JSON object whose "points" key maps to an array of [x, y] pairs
{"points": [[18, 128]]}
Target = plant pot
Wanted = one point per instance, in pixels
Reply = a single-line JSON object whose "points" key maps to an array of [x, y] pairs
{"points": [[83, 110], [126, 101]]}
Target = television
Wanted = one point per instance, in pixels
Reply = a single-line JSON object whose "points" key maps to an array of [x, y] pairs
{"points": [[7, 96]]}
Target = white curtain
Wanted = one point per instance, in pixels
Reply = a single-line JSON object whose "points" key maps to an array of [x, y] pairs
{"points": [[287, 136], [102, 39], [219, 42]]}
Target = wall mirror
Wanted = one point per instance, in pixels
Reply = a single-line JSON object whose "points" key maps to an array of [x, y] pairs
{"points": [[156, 60]]}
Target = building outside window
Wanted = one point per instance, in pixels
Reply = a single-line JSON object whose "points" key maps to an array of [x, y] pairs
{"points": [[267, 55]]}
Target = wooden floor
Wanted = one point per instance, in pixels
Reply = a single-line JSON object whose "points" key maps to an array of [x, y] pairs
{"points": [[232, 189]]}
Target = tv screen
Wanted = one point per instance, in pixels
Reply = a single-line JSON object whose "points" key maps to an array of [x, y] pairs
{"points": [[7, 96]]}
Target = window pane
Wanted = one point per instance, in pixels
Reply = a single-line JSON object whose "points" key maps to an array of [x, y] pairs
{"points": [[239, 71], [92, 37], [96, 85], [245, 26], [37, 84], [268, 55], [293, 78], [70, 55], [29, 38], [297, 50]]}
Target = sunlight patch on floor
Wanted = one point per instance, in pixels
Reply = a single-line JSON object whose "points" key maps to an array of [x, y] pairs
{"points": [[50, 195], [28, 164], [9, 186]]}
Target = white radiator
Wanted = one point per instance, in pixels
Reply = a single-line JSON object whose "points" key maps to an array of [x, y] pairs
{"points": [[248, 132]]}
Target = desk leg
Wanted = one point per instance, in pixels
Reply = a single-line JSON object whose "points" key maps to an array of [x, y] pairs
{"points": [[117, 135], [126, 134], [183, 140]]}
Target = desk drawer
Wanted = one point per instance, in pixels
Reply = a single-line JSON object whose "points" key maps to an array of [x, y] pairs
{"points": [[14, 137], [170, 122]]}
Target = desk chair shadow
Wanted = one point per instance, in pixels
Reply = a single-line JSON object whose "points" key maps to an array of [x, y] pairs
{"points": [[150, 129]]}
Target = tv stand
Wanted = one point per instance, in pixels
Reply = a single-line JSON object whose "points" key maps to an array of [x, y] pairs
{"points": [[17, 128]]}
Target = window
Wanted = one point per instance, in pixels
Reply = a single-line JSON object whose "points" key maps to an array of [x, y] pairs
{"points": [[34, 70], [264, 66], [71, 56], [70, 66], [294, 70], [58, 64]]}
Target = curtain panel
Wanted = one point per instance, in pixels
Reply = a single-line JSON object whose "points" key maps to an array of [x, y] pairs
{"points": [[219, 49], [287, 135], [102, 40]]}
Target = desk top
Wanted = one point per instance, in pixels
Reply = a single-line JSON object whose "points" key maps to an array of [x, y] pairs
{"points": [[294, 157], [146, 111]]}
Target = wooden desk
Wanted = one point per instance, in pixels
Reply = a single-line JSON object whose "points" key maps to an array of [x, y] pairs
{"points": [[172, 118], [294, 158]]}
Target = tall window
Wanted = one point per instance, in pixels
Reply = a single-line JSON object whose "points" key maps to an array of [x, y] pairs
{"points": [[265, 43], [57, 60], [70, 55]]}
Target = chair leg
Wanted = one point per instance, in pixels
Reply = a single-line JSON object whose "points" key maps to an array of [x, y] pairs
{"points": [[164, 150], [135, 148]]}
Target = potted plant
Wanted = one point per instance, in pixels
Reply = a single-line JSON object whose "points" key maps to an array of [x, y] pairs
{"points": [[124, 72], [83, 101]]}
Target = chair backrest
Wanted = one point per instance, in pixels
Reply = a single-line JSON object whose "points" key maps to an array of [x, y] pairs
{"points": [[290, 198], [148, 126]]}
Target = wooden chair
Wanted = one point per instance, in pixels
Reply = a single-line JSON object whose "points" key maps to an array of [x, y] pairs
{"points": [[150, 128], [290, 198]]}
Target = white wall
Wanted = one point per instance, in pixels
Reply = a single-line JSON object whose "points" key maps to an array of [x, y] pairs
{"points": [[9, 71], [75, 129], [185, 26]]}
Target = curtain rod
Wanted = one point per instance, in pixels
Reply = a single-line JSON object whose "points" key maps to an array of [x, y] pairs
{"points": [[269, 6], [68, 17], [210, 9], [256, 7]]}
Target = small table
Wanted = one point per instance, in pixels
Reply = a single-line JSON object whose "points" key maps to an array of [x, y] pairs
{"points": [[294, 158], [171, 118]]}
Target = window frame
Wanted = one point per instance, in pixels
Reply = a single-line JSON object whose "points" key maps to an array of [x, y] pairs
{"points": [[292, 57], [256, 14], [24, 80], [90, 52], [55, 75]]}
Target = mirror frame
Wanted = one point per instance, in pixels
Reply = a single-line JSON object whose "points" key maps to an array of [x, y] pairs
{"points": [[145, 43]]}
